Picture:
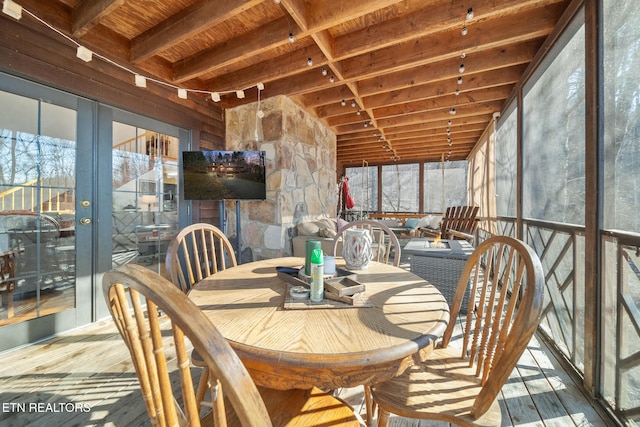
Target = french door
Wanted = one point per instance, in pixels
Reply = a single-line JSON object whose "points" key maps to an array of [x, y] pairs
{"points": [[83, 188]]}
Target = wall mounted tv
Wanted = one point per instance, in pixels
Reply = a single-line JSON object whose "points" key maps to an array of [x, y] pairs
{"points": [[224, 175]]}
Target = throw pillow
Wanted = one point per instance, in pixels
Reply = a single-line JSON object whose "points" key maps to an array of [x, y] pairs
{"points": [[411, 223], [424, 221]]}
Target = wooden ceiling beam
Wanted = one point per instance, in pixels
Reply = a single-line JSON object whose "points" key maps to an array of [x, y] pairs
{"points": [[465, 97], [462, 111], [88, 13], [482, 35], [191, 21], [472, 81], [247, 45], [481, 61], [271, 70], [428, 20]]}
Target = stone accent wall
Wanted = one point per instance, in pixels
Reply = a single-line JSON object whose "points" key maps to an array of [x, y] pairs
{"points": [[301, 174]]}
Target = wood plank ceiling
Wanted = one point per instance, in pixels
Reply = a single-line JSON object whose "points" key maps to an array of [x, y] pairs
{"points": [[395, 64]]}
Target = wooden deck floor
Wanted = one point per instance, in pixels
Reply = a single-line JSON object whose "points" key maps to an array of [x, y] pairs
{"points": [[85, 378]]}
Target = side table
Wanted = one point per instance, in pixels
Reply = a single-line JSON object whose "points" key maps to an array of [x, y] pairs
{"points": [[442, 267]]}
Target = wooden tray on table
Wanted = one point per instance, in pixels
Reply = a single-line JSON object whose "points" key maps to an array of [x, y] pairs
{"points": [[342, 291]]}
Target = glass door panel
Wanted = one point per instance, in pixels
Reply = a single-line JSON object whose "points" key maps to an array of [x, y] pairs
{"points": [[37, 208], [145, 189]]}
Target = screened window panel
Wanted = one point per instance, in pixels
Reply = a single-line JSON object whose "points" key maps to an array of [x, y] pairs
{"points": [[363, 187], [400, 187], [453, 192], [554, 136], [506, 164], [622, 115]]}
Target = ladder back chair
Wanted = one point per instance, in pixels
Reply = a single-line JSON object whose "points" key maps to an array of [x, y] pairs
{"points": [[458, 222], [459, 383], [135, 296], [197, 252], [386, 247], [387, 250]]}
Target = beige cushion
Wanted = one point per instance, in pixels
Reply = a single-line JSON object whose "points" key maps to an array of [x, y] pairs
{"points": [[326, 223], [327, 232], [308, 229]]}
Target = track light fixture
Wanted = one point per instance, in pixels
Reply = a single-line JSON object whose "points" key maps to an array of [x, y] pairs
{"points": [[309, 62], [470, 14], [292, 38]]}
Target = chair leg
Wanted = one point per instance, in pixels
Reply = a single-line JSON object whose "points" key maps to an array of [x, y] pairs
{"points": [[370, 404], [383, 418], [203, 384]]}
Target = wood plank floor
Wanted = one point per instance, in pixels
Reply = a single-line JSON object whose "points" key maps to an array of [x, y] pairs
{"points": [[85, 378]]}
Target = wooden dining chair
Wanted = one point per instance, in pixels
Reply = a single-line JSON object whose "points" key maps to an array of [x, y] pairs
{"points": [[386, 250], [198, 251], [386, 244], [135, 296], [460, 384]]}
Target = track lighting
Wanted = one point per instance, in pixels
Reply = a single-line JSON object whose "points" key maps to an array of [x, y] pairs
{"points": [[353, 103], [452, 111], [323, 71], [331, 79], [464, 31], [463, 55], [309, 62], [457, 92], [460, 80], [461, 69], [358, 112], [343, 102], [292, 38], [469, 14]]}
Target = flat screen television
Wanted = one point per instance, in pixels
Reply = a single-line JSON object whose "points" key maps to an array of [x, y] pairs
{"points": [[224, 175]]}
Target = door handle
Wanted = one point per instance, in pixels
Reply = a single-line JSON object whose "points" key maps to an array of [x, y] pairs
{"points": [[85, 221]]}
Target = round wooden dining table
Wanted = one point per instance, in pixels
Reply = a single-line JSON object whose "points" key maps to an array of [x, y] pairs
{"points": [[330, 347]]}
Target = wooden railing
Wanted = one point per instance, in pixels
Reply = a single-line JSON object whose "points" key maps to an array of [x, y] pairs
{"points": [[27, 196], [561, 248], [152, 144]]}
